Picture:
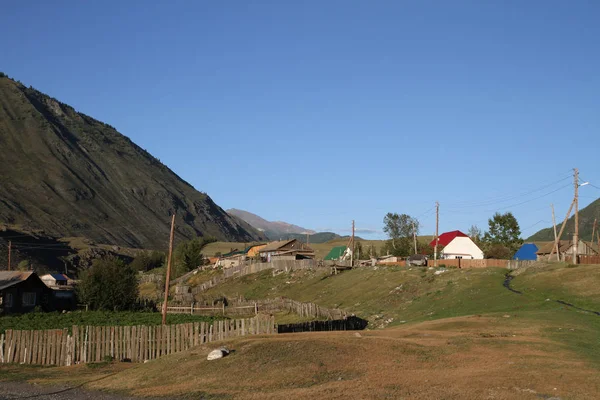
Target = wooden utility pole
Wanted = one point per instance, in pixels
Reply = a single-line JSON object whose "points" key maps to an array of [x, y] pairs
{"points": [[555, 241], [168, 278], [562, 228], [576, 202], [352, 254], [437, 237], [594, 229], [9, 250], [415, 237]]}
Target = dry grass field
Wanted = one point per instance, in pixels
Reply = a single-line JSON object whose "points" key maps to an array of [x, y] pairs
{"points": [[475, 357]]}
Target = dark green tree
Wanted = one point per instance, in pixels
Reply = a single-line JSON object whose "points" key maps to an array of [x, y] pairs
{"points": [[400, 228], [109, 284], [147, 261], [188, 255], [503, 230]]}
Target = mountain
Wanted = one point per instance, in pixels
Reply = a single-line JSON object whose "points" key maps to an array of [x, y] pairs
{"points": [[273, 229], [319, 237], [586, 224], [67, 174]]}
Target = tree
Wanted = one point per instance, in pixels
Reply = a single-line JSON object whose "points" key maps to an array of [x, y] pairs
{"points": [[188, 255], [109, 284], [400, 229], [475, 234], [503, 230], [147, 261]]}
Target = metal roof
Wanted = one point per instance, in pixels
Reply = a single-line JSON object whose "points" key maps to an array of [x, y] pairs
{"points": [[60, 277], [276, 245], [336, 253], [445, 238], [10, 278]]}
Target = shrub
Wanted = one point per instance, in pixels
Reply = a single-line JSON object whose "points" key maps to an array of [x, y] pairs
{"points": [[146, 262], [109, 285]]}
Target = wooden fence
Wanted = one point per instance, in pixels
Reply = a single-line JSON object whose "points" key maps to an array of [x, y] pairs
{"points": [[254, 307], [88, 344], [247, 269], [589, 259]]}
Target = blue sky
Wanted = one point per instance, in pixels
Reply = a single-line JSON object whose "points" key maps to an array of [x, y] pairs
{"points": [[320, 112]]}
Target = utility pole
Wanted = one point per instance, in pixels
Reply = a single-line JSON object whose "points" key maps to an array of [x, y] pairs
{"points": [[352, 254], [437, 227], [307, 238], [562, 228], [555, 241], [594, 229], [168, 278], [415, 237], [9, 250], [576, 201]]}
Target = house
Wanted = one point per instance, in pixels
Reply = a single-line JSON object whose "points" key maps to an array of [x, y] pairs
{"points": [[389, 259], [254, 251], [526, 252], [55, 280], [291, 249], [236, 257], [338, 253], [455, 244], [566, 250], [21, 292]]}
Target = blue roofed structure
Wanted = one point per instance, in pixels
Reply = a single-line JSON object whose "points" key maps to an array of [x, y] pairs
{"points": [[60, 277], [526, 252]]}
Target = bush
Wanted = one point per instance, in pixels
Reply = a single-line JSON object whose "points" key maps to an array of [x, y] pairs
{"points": [[146, 262], [109, 285]]}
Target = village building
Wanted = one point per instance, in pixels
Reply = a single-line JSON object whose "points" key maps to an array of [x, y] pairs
{"points": [[527, 252], [389, 259], [338, 253], [291, 249], [21, 292], [56, 280], [456, 244], [566, 250], [236, 257]]}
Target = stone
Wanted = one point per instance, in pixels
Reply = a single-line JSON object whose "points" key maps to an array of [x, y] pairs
{"points": [[218, 353]]}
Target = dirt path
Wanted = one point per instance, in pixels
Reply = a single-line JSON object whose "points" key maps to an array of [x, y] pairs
{"points": [[20, 390]]}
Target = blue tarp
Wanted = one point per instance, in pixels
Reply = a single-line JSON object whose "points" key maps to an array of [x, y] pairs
{"points": [[526, 252]]}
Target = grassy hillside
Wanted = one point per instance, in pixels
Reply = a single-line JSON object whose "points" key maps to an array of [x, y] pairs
{"points": [[586, 223], [458, 335], [68, 174], [321, 249]]}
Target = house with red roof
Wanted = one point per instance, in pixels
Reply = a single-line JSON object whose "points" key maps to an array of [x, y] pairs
{"points": [[456, 244]]}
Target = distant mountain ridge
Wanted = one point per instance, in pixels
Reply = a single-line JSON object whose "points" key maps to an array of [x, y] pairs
{"points": [[273, 229], [278, 230], [586, 224], [67, 174]]}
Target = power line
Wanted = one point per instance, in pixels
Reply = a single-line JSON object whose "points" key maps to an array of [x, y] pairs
{"points": [[503, 199]]}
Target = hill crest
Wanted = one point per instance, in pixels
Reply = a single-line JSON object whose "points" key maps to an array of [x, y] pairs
{"points": [[68, 174]]}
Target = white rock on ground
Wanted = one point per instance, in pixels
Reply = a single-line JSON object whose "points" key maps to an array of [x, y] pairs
{"points": [[218, 353]]}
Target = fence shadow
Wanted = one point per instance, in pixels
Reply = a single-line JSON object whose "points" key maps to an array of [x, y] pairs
{"points": [[351, 323]]}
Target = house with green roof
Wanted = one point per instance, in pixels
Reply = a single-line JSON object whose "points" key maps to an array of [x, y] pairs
{"points": [[336, 253]]}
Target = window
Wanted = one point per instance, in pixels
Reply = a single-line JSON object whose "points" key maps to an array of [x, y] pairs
{"points": [[28, 299], [8, 300]]}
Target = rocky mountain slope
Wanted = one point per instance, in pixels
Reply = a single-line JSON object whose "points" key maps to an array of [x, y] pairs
{"points": [[273, 229], [68, 174]]}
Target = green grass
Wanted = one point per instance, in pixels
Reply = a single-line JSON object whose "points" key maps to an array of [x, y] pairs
{"points": [[382, 293], [40, 320], [398, 296]]}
